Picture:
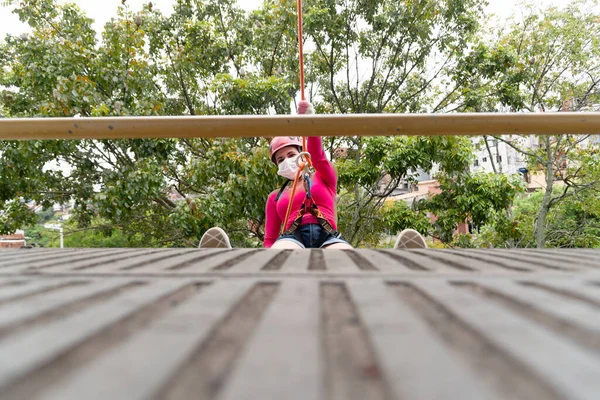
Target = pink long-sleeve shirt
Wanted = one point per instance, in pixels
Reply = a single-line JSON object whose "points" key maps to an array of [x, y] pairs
{"points": [[323, 191]]}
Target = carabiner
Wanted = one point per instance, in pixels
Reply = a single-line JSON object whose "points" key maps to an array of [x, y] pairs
{"points": [[300, 157]]}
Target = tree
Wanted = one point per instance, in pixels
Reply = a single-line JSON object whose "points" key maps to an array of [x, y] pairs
{"points": [[390, 160], [480, 199], [573, 222], [209, 57], [384, 56], [399, 216], [146, 64], [551, 62]]}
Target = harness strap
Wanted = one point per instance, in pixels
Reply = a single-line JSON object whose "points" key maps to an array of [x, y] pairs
{"points": [[313, 210], [281, 190]]}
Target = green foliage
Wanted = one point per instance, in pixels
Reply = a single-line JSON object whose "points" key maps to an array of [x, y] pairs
{"points": [[97, 235], [370, 222], [574, 222], [45, 215], [547, 60], [400, 216], [478, 198], [212, 58], [92, 238], [209, 57], [145, 64], [391, 160], [398, 40]]}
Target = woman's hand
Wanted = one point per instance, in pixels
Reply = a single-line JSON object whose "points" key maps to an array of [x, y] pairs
{"points": [[305, 107]]}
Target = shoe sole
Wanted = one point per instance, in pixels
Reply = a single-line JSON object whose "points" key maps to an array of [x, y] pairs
{"points": [[215, 240], [411, 240]]}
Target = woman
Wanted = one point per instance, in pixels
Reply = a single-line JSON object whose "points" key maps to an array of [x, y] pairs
{"points": [[312, 222]]}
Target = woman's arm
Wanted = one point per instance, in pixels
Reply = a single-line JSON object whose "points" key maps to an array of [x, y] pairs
{"points": [[314, 146], [273, 222], [319, 160]]}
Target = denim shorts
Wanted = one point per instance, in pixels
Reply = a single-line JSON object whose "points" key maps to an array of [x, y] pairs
{"points": [[312, 236]]}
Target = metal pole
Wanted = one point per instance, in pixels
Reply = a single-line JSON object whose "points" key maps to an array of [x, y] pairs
{"points": [[61, 238]]}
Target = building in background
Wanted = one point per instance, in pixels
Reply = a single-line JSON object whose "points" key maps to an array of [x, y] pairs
{"points": [[498, 156], [13, 241]]}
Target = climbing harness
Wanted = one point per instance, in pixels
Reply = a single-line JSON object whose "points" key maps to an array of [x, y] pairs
{"points": [[302, 167], [308, 205]]}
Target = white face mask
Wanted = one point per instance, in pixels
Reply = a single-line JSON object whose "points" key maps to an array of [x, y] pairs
{"points": [[288, 168]]}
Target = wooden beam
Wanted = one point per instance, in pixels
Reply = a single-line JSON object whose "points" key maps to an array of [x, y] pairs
{"points": [[299, 125]]}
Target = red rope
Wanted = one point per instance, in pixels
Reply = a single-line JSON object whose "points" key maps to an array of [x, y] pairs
{"points": [[304, 144], [300, 46], [289, 208], [301, 50]]}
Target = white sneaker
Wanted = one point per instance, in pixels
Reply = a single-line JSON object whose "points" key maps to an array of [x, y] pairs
{"points": [[410, 239], [215, 238]]}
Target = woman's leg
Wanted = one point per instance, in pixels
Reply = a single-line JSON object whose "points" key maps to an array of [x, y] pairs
{"points": [[342, 246], [286, 244]]}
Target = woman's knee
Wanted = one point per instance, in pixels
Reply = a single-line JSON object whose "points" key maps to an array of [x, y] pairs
{"points": [[285, 244], [339, 246]]}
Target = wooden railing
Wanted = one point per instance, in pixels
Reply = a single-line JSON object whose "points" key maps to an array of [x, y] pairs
{"points": [[299, 125]]}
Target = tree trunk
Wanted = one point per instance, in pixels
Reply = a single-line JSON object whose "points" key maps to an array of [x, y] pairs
{"points": [[487, 146], [353, 239], [498, 157], [540, 224]]}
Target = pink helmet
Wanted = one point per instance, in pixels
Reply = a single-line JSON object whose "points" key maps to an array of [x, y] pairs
{"points": [[280, 142]]}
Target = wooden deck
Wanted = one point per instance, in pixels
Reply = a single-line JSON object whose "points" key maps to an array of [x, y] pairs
{"points": [[310, 324]]}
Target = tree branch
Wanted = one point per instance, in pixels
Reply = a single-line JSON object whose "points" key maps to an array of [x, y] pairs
{"points": [[520, 150], [487, 146]]}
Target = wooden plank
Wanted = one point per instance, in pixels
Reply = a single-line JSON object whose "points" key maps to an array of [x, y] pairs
{"points": [[582, 258], [461, 261], [7, 251], [164, 345], [298, 125], [45, 261], [282, 359], [575, 376], [386, 264], [568, 310], [296, 262], [100, 259], [421, 260], [35, 306], [512, 265], [256, 262], [27, 258], [338, 261], [545, 262], [221, 261], [416, 363], [5, 254], [33, 348], [352, 371], [164, 256], [574, 287], [30, 288], [568, 250], [170, 264]]}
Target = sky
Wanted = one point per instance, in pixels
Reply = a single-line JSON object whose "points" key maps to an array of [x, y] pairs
{"points": [[102, 11]]}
